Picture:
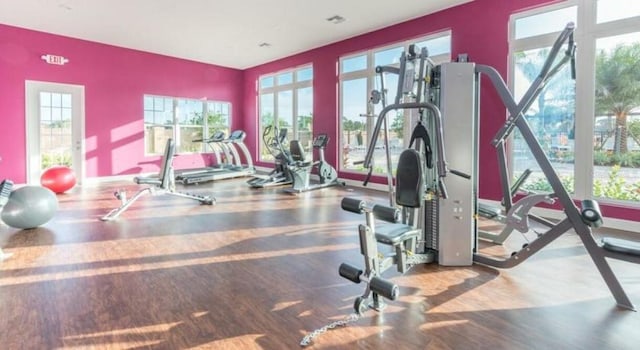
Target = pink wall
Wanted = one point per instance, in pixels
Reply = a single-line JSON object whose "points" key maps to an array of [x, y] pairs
{"points": [[115, 80], [479, 28]]}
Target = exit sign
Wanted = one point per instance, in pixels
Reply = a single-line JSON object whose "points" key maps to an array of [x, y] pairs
{"points": [[55, 59]]}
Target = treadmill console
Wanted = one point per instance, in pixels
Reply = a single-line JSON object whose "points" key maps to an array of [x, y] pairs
{"points": [[237, 135], [321, 141], [217, 136]]}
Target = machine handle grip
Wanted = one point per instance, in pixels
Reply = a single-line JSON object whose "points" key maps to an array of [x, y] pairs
{"points": [[460, 173]]}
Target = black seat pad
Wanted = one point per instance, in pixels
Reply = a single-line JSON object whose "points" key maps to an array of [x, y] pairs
{"points": [[395, 233]]}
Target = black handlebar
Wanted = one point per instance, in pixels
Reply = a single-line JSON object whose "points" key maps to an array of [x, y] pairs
{"points": [[460, 173]]}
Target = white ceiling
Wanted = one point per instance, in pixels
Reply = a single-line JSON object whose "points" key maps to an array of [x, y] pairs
{"points": [[222, 32]]}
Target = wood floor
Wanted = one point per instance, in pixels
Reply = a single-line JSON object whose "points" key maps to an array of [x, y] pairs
{"points": [[259, 271]]}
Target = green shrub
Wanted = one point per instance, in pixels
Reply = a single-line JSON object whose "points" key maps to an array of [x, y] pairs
{"points": [[50, 159], [616, 187], [601, 158], [538, 185], [542, 185], [629, 159]]}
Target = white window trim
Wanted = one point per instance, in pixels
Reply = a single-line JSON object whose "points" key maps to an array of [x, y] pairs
{"points": [[176, 126], [294, 86]]}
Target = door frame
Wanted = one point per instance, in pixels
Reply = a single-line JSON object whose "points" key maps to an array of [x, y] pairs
{"points": [[32, 127]]}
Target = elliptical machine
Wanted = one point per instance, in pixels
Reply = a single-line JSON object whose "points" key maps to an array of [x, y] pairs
{"points": [[301, 169], [275, 138]]}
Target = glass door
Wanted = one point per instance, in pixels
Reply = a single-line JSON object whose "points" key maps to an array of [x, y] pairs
{"points": [[55, 128]]}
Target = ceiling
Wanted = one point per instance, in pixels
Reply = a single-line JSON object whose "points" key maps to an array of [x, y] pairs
{"points": [[223, 32]]}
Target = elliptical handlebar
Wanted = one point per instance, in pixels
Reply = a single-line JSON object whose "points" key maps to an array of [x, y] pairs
{"points": [[274, 137]]}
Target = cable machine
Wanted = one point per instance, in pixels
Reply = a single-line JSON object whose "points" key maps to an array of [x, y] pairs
{"points": [[428, 221], [442, 226]]}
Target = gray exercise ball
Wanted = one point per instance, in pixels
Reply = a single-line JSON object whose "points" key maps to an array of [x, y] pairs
{"points": [[29, 207]]}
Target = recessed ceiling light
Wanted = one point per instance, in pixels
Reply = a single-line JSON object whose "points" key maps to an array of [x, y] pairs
{"points": [[264, 45], [336, 19]]}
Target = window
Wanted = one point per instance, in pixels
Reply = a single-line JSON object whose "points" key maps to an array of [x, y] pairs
{"points": [[189, 125], [182, 120], [55, 129], [158, 123], [616, 147], [218, 117], [286, 100], [358, 117], [612, 10], [606, 147], [550, 21]]}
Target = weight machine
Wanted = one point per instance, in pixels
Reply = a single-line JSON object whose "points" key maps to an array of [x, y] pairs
{"points": [[441, 223], [431, 223]]}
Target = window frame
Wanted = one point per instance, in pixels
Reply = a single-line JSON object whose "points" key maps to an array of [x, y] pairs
{"points": [[587, 32], [176, 126], [275, 89]]}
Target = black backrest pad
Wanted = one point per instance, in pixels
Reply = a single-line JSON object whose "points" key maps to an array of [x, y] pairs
{"points": [[167, 163], [409, 179], [297, 153]]}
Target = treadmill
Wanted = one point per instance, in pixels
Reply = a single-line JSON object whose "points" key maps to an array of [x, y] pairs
{"points": [[233, 169], [215, 143]]}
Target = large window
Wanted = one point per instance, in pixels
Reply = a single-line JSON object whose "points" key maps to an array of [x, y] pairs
{"points": [[286, 101], [183, 120], [358, 116], [606, 145]]}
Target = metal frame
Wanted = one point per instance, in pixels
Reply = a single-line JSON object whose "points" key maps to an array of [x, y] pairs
{"points": [[162, 185], [574, 217]]}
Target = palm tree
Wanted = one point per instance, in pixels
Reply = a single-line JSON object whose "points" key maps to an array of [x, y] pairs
{"points": [[618, 87]]}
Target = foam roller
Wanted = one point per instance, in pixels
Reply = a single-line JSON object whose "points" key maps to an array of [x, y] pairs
{"points": [[384, 288], [349, 272], [351, 204], [385, 213]]}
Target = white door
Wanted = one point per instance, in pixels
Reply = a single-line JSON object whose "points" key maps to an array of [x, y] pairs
{"points": [[55, 128]]}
